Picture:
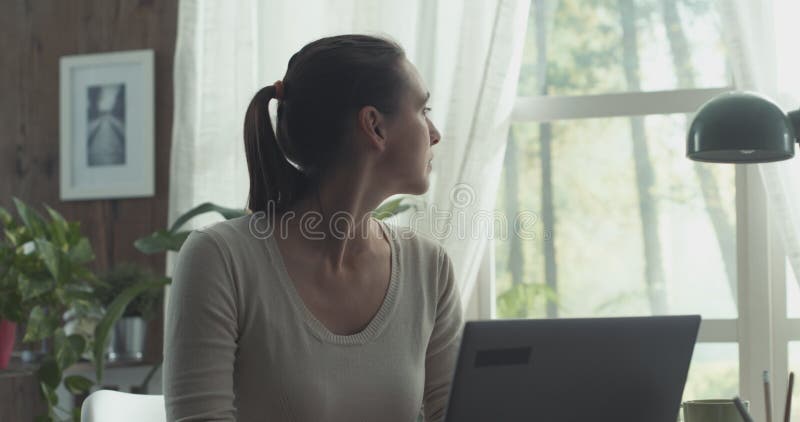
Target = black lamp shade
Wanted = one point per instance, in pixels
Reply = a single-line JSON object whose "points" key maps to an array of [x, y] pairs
{"points": [[739, 127]]}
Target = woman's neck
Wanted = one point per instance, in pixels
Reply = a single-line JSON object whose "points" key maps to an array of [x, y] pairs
{"points": [[334, 222]]}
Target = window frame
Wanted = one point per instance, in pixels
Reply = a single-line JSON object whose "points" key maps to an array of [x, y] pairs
{"points": [[762, 329]]}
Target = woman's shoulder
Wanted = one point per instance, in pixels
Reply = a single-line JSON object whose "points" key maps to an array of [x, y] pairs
{"points": [[235, 230], [417, 248], [224, 240], [230, 247], [424, 258]]}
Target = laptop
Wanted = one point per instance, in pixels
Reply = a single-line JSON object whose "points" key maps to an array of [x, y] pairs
{"points": [[572, 370]]}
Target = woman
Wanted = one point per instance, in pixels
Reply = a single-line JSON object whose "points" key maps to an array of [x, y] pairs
{"points": [[310, 309]]}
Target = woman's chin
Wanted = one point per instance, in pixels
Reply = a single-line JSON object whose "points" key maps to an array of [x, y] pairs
{"points": [[418, 186], [422, 185]]}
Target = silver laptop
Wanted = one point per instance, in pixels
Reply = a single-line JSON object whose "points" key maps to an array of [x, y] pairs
{"points": [[573, 370]]}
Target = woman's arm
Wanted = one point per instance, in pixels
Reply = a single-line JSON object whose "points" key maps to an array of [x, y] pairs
{"points": [[200, 334], [440, 359]]}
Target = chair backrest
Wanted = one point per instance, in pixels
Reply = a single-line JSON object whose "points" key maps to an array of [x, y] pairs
{"points": [[115, 406]]}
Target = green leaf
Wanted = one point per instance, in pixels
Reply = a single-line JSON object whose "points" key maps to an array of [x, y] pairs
{"points": [[50, 397], [63, 351], [32, 220], [86, 310], [33, 287], [84, 274], [74, 232], [82, 252], [5, 258], [113, 313], [51, 258], [15, 235], [44, 393], [227, 213], [74, 293], [77, 342], [390, 208], [49, 373], [59, 227], [11, 306], [161, 241], [77, 384], [523, 300], [40, 324], [68, 348], [6, 218]]}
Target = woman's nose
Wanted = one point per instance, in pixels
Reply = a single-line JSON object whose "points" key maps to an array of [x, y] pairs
{"points": [[435, 135]]}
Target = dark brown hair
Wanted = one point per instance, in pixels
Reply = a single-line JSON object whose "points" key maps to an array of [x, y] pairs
{"points": [[326, 83]]}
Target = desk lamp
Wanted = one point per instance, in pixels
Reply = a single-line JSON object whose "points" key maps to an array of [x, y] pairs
{"points": [[742, 127]]}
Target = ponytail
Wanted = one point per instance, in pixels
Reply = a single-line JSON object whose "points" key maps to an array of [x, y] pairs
{"points": [[272, 178], [326, 83]]}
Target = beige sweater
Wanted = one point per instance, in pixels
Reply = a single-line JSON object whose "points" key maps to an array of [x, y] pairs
{"points": [[241, 345]]}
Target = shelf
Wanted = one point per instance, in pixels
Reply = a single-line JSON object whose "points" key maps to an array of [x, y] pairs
{"points": [[85, 366], [17, 366]]}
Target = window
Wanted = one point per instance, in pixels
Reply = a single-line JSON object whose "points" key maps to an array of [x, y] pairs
{"points": [[625, 224]]}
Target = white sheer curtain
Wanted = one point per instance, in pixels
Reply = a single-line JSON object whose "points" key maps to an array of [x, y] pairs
{"points": [[468, 52], [761, 39]]}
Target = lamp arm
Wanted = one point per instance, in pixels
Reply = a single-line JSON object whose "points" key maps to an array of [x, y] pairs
{"points": [[794, 116]]}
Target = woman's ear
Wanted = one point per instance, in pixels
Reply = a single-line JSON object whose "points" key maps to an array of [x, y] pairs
{"points": [[371, 123]]}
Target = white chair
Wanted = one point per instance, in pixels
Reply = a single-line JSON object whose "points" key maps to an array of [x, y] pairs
{"points": [[115, 406]]}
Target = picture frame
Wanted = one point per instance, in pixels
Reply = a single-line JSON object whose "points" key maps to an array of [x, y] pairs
{"points": [[107, 110]]}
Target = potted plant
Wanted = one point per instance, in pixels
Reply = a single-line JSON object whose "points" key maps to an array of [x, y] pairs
{"points": [[128, 336], [43, 275], [145, 284], [45, 284]]}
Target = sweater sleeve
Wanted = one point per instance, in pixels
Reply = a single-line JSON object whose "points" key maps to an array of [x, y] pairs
{"points": [[442, 352], [200, 334]]}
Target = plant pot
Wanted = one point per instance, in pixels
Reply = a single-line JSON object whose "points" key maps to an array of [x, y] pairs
{"points": [[8, 334], [128, 339]]}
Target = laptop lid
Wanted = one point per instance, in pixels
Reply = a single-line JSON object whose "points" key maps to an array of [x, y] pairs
{"points": [[573, 370]]}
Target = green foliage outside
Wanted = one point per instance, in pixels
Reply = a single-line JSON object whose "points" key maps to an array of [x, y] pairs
{"points": [[597, 236]]}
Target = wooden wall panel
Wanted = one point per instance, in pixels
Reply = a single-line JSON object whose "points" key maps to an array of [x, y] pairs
{"points": [[34, 34], [20, 400]]}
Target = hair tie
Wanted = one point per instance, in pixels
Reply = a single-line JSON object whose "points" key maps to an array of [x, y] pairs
{"points": [[278, 89]]}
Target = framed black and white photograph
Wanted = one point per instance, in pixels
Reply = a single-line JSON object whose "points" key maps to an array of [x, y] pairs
{"points": [[106, 126]]}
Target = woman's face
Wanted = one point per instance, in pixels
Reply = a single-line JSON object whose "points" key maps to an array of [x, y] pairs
{"points": [[410, 134]]}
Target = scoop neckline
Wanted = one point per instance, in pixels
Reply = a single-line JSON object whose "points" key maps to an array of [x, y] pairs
{"points": [[378, 321]]}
